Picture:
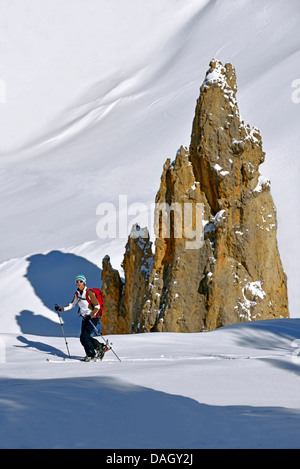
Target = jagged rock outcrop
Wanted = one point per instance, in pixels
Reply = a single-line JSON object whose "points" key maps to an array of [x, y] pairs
{"points": [[137, 265], [216, 258], [112, 289], [236, 275], [173, 302], [123, 302]]}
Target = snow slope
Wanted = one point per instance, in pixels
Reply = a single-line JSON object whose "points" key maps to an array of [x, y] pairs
{"points": [[112, 87], [93, 99], [237, 387]]}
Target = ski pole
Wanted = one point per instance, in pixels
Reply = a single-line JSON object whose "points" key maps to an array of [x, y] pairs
{"points": [[106, 341], [62, 328]]}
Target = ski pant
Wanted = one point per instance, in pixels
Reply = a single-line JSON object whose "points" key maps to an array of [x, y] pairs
{"points": [[89, 344]]}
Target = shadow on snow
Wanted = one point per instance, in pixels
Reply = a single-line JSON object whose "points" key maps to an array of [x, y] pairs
{"points": [[52, 278], [103, 412]]}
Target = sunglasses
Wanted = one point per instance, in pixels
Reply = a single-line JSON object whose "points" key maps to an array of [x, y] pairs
{"points": [[79, 281]]}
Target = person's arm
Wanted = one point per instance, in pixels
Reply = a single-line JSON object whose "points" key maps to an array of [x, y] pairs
{"points": [[95, 304], [71, 305]]}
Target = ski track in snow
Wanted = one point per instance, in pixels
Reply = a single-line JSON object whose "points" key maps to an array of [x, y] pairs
{"points": [[176, 359]]}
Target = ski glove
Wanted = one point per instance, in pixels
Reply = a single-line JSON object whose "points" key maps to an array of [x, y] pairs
{"points": [[57, 308]]}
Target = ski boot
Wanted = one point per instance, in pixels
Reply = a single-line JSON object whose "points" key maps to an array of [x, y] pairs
{"points": [[101, 349], [86, 359]]}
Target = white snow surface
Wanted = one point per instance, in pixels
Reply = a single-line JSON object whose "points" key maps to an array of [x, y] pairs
{"points": [[236, 387], [94, 96]]}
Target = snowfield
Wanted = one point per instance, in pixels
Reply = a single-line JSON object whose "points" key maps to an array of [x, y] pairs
{"points": [[237, 387], [94, 96]]}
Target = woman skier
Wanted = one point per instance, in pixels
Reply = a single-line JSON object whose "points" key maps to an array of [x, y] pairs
{"points": [[90, 312]]}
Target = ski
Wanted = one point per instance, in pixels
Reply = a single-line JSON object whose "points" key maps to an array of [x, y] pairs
{"points": [[63, 360], [70, 359]]}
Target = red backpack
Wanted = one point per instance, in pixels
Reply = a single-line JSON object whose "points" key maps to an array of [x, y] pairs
{"points": [[99, 296]]}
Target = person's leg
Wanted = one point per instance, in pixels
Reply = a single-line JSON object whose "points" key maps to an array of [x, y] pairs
{"points": [[89, 344]]}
